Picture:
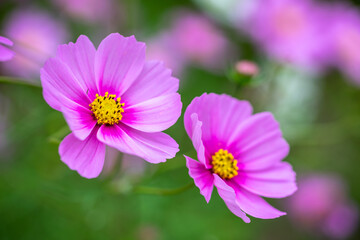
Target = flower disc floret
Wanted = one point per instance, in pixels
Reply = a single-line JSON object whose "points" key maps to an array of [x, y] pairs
{"points": [[106, 109], [224, 164]]}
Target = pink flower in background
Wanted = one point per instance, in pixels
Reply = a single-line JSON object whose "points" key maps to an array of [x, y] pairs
{"points": [[345, 40], [240, 153], [321, 204], [199, 40], [291, 31], [111, 96], [162, 48], [5, 53], [191, 39], [88, 10], [36, 36]]}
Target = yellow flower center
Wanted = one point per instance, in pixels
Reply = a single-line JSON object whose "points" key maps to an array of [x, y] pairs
{"points": [[106, 109], [224, 164]]}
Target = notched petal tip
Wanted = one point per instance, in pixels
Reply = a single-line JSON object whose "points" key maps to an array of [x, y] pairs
{"points": [[86, 157]]}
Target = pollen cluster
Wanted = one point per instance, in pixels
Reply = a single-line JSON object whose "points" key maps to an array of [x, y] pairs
{"points": [[224, 164], [106, 109]]}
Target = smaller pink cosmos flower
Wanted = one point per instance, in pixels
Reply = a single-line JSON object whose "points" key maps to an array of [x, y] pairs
{"points": [[239, 153], [111, 96], [5, 53]]}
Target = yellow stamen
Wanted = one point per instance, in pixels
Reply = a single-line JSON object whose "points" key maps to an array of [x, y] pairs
{"points": [[224, 164], [106, 109]]}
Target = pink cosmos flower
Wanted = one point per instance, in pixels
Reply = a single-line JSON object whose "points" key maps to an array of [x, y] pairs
{"points": [[239, 153], [111, 96], [5, 53], [36, 35], [322, 205], [291, 31]]}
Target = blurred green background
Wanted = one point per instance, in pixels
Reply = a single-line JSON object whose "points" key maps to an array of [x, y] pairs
{"points": [[40, 198]]}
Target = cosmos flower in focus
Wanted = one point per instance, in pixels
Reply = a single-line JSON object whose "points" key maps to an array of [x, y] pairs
{"points": [[321, 205], [36, 36], [239, 153], [291, 31], [5, 53], [111, 96]]}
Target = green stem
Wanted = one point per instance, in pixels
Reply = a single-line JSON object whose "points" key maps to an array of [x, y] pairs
{"points": [[18, 81], [58, 135], [160, 191]]}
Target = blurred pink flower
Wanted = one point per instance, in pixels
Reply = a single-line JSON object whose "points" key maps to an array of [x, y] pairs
{"points": [[111, 96], [88, 10], [247, 68], [191, 39], [321, 204], [5, 53], [36, 35], [161, 48], [291, 31], [240, 153], [199, 40], [345, 40]]}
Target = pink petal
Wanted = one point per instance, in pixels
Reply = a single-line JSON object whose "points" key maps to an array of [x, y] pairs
{"points": [[155, 80], [5, 54], [220, 115], [80, 59], [153, 147], [118, 62], [203, 178], [5, 41], [254, 205], [197, 141], [228, 195], [86, 157], [154, 115], [258, 143], [58, 83], [79, 118], [277, 181]]}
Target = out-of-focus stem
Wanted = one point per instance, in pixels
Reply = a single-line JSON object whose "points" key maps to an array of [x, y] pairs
{"points": [[18, 81], [161, 191], [58, 135]]}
